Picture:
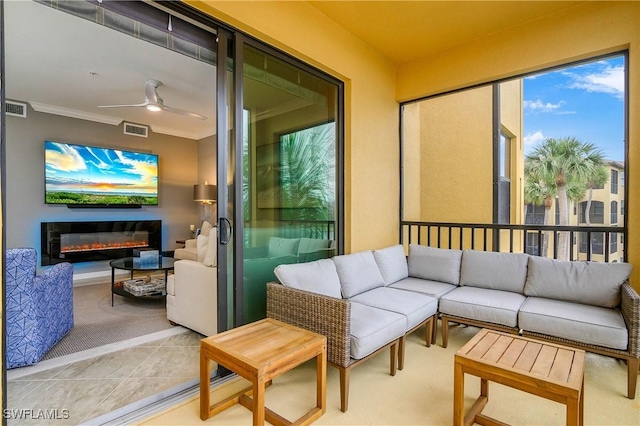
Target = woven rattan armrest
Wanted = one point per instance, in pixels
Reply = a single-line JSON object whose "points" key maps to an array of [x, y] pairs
{"points": [[324, 315], [630, 307]]}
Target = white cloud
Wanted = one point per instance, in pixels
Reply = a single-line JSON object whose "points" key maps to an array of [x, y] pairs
{"points": [[533, 139], [606, 80], [538, 106]]}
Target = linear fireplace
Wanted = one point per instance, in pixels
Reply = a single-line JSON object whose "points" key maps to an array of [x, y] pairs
{"points": [[93, 241]]}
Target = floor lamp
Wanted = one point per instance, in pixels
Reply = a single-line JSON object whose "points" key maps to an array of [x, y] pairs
{"points": [[206, 196]]}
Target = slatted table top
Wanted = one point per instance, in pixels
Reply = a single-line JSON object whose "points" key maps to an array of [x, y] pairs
{"points": [[263, 347], [519, 359]]}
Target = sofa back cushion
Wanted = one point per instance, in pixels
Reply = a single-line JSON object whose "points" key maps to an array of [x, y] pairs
{"points": [[496, 271], [283, 246], [318, 277], [358, 273], [434, 264], [392, 263], [590, 283]]}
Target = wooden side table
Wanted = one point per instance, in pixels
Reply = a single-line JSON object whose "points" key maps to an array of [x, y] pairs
{"points": [[259, 352], [551, 371]]}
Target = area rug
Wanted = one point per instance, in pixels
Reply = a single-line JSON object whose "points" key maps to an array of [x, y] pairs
{"points": [[97, 323]]}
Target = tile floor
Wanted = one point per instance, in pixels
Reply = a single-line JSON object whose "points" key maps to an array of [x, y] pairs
{"points": [[92, 387]]}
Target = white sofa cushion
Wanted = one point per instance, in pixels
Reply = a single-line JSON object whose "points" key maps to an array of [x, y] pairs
{"points": [[496, 271], [435, 289], [392, 263], [211, 255], [202, 245], [494, 306], [581, 323], [416, 307], [318, 277], [592, 283], [434, 264], [372, 328], [358, 273]]}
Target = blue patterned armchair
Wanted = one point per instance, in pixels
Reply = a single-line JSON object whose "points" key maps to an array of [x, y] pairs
{"points": [[39, 308]]}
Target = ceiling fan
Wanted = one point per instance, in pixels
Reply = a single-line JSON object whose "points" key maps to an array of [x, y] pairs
{"points": [[153, 102]]}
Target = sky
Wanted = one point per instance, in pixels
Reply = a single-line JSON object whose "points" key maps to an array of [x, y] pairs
{"points": [[79, 168], [584, 101]]}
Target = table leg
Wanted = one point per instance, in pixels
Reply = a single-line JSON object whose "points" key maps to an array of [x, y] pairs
{"points": [[581, 404], [484, 387], [113, 281], [321, 373], [458, 395], [258, 401], [205, 374]]}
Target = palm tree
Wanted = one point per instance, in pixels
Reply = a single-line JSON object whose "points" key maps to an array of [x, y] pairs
{"points": [[562, 162]]}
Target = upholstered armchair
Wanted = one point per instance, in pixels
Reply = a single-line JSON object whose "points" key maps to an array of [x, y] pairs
{"points": [[39, 308]]}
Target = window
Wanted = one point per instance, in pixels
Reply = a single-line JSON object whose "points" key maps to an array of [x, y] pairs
{"points": [[614, 212], [613, 242], [614, 181], [534, 215], [597, 242], [596, 214]]}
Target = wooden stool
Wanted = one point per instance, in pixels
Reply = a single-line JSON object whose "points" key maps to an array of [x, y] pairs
{"points": [[259, 352], [551, 371]]}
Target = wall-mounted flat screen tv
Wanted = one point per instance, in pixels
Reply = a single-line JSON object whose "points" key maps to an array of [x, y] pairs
{"points": [[90, 175]]}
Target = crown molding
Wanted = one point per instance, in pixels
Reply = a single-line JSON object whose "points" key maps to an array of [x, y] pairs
{"points": [[82, 115]]}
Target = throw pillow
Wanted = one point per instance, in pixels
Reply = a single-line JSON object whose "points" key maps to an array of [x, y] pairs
{"points": [[211, 256], [201, 246], [205, 228], [392, 263]]}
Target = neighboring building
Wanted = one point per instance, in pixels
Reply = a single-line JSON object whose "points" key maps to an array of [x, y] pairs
{"points": [[607, 209]]}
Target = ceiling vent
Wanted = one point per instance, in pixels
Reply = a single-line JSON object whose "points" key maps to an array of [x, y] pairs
{"points": [[136, 130], [16, 109]]}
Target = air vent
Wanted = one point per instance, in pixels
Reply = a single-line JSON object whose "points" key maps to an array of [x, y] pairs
{"points": [[16, 109], [136, 130]]}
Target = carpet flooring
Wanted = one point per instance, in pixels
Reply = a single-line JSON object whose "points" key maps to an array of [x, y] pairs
{"points": [[97, 323]]}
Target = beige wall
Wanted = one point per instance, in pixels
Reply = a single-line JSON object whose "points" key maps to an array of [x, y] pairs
{"points": [[371, 119]]}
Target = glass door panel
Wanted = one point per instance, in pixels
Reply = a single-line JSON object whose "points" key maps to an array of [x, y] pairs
{"points": [[291, 128]]}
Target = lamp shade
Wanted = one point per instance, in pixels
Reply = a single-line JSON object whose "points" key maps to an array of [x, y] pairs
{"points": [[204, 193]]}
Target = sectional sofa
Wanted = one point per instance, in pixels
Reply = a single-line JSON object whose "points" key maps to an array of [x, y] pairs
{"points": [[347, 299], [589, 305]]}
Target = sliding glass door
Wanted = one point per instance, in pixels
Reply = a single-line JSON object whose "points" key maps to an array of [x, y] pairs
{"points": [[283, 171]]}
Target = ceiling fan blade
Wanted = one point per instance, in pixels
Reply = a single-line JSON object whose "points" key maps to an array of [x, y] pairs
{"points": [[123, 106], [182, 112]]}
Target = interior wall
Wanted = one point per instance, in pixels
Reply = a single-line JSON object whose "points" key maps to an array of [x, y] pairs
{"points": [[371, 111], [587, 30], [25, 179]]}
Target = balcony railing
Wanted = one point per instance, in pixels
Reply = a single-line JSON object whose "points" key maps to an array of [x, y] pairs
{"points": [[514, 238]]}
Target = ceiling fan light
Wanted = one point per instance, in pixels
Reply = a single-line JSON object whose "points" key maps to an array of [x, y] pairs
{"points": [[154, 108]]}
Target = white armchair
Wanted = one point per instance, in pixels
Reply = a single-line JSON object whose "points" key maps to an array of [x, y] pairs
{"points": [[192, 297]]}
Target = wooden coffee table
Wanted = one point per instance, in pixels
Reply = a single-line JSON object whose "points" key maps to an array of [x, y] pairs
{"points": [[551, 371], [259, 352]]}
